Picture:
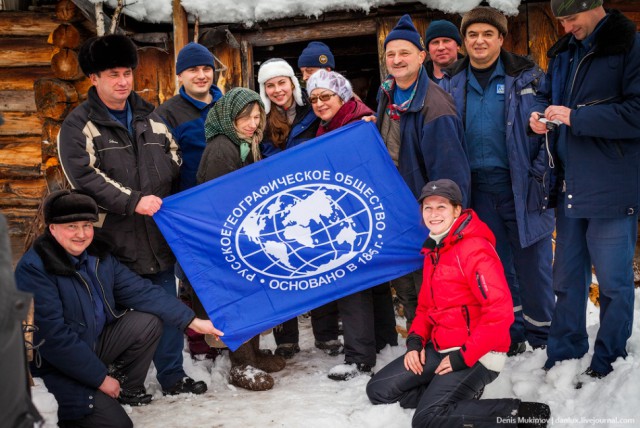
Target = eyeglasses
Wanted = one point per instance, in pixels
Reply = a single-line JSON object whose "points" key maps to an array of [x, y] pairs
{"points": [[323, 97]]}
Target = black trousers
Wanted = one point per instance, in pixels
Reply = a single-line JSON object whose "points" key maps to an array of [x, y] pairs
{"points": [[324, 322], [442, 401], [132, 341], [369, 323], [407, 290]]}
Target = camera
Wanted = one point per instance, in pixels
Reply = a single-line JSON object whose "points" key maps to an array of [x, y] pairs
{"points": [[551, 124]]}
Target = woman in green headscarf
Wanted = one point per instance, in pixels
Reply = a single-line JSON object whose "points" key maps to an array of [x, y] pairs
{"points": [[233, 129]]}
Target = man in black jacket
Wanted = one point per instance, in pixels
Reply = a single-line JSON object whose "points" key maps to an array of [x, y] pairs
{"points": [[94, 349], [116, 149]]}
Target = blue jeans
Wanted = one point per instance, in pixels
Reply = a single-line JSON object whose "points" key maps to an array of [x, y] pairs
{"points": [[608, 244], [168, 356], [528, 270], [442, 400]]}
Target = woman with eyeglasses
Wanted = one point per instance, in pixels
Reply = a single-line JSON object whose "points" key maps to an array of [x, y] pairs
{"points": [[332, 100], [290, 119], [368, 317]]}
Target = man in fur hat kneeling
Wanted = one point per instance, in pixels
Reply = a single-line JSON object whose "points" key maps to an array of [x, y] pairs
{"points": [[95, 349]]}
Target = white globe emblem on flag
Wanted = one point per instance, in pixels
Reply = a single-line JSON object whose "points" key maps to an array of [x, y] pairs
{"points": [[304, 231]]}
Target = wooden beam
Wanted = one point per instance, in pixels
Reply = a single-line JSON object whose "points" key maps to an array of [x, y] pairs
{"points": [[22, 78], [28, 24], [20, 124], [543, 32], [180, 33], [17, 101], [324, 30], [246, 57], [88, 10], [21, 193], [23, 52]]}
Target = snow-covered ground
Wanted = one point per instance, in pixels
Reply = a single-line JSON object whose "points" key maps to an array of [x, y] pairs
{"points": [[303, 396]]}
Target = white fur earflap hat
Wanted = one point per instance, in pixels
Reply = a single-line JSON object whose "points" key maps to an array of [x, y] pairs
{"points": [[276, 67]]}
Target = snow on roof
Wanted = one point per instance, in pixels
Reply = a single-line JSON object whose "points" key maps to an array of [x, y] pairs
{"points": [[250, 11]]}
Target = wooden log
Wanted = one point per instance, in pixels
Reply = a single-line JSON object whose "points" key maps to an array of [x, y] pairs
{"points": [[28, 24], [66, 66], [246, 57], [20, 157], [21, 124], [54, 98], [49, 146], [22, 78], [82, 87], [180, 33], [67, 11], [21, 192], [23, 52], [17, 101], [66, 36]]}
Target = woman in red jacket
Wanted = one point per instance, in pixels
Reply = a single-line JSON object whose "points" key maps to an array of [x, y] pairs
{"points": [[460, 336]]}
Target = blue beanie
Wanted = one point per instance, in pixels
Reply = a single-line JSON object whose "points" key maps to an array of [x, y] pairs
{"points": [[442, 28], [405, 30], [193, 55], [316, 54]]}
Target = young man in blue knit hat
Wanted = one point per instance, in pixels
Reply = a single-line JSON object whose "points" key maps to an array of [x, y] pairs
{"points": [[185, 114], [314, 57], [493, 90], [443, 42]]}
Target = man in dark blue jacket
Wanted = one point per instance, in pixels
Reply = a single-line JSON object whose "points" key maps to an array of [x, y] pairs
{"points": [[95, 349], [421, 129], [494, 90], [593, 90], [185, 114]]}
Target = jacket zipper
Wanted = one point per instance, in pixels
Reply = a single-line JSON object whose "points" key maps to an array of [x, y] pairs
{"points": [[479, 279], [467, 318], [104, 296], [575, 76], [92, 301], [592, 103]]}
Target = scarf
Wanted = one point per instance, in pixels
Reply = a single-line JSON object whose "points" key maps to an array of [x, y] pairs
{"points": [[222, 116], [393, 110]]}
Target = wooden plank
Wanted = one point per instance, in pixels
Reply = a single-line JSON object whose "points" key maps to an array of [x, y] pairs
{"points": [[22, 78], [320, 31], [246, 57], [230, 57], [28, 24], [22, 52], [21, 123], [154, 78], [543, 32], [385, 25], [20, 157], [17, 101], [180, 33], [516, 40]]}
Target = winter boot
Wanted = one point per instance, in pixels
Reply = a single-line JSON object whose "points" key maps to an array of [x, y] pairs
{"points": [[287, 350], [516, 348], [136, 396], [533, 415], [243, 369], [331, 347], [349, 370], [264, 360], [250, 378]]}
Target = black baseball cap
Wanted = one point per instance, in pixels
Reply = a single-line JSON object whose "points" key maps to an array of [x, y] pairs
{"points": [[443, 187]]}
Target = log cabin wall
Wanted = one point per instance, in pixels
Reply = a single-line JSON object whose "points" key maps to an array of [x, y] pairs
{"points": [[25, 56]]}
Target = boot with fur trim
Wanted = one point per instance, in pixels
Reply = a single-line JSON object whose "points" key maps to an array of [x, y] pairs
{"points": [[265, 360], [244, 372]]}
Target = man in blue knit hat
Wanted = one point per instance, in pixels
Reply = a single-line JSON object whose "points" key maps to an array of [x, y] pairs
{"points": [[424, 135], [443, 42], [314, 57], [185, 114]]}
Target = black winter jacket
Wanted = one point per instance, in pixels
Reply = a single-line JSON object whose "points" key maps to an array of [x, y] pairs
{"points": [[100, 157]]}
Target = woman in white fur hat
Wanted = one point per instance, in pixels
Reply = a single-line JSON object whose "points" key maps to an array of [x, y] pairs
{"points": [[290, 119]]}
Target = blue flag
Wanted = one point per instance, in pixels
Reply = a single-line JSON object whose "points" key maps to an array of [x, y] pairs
{"points": [[287, 234]]}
